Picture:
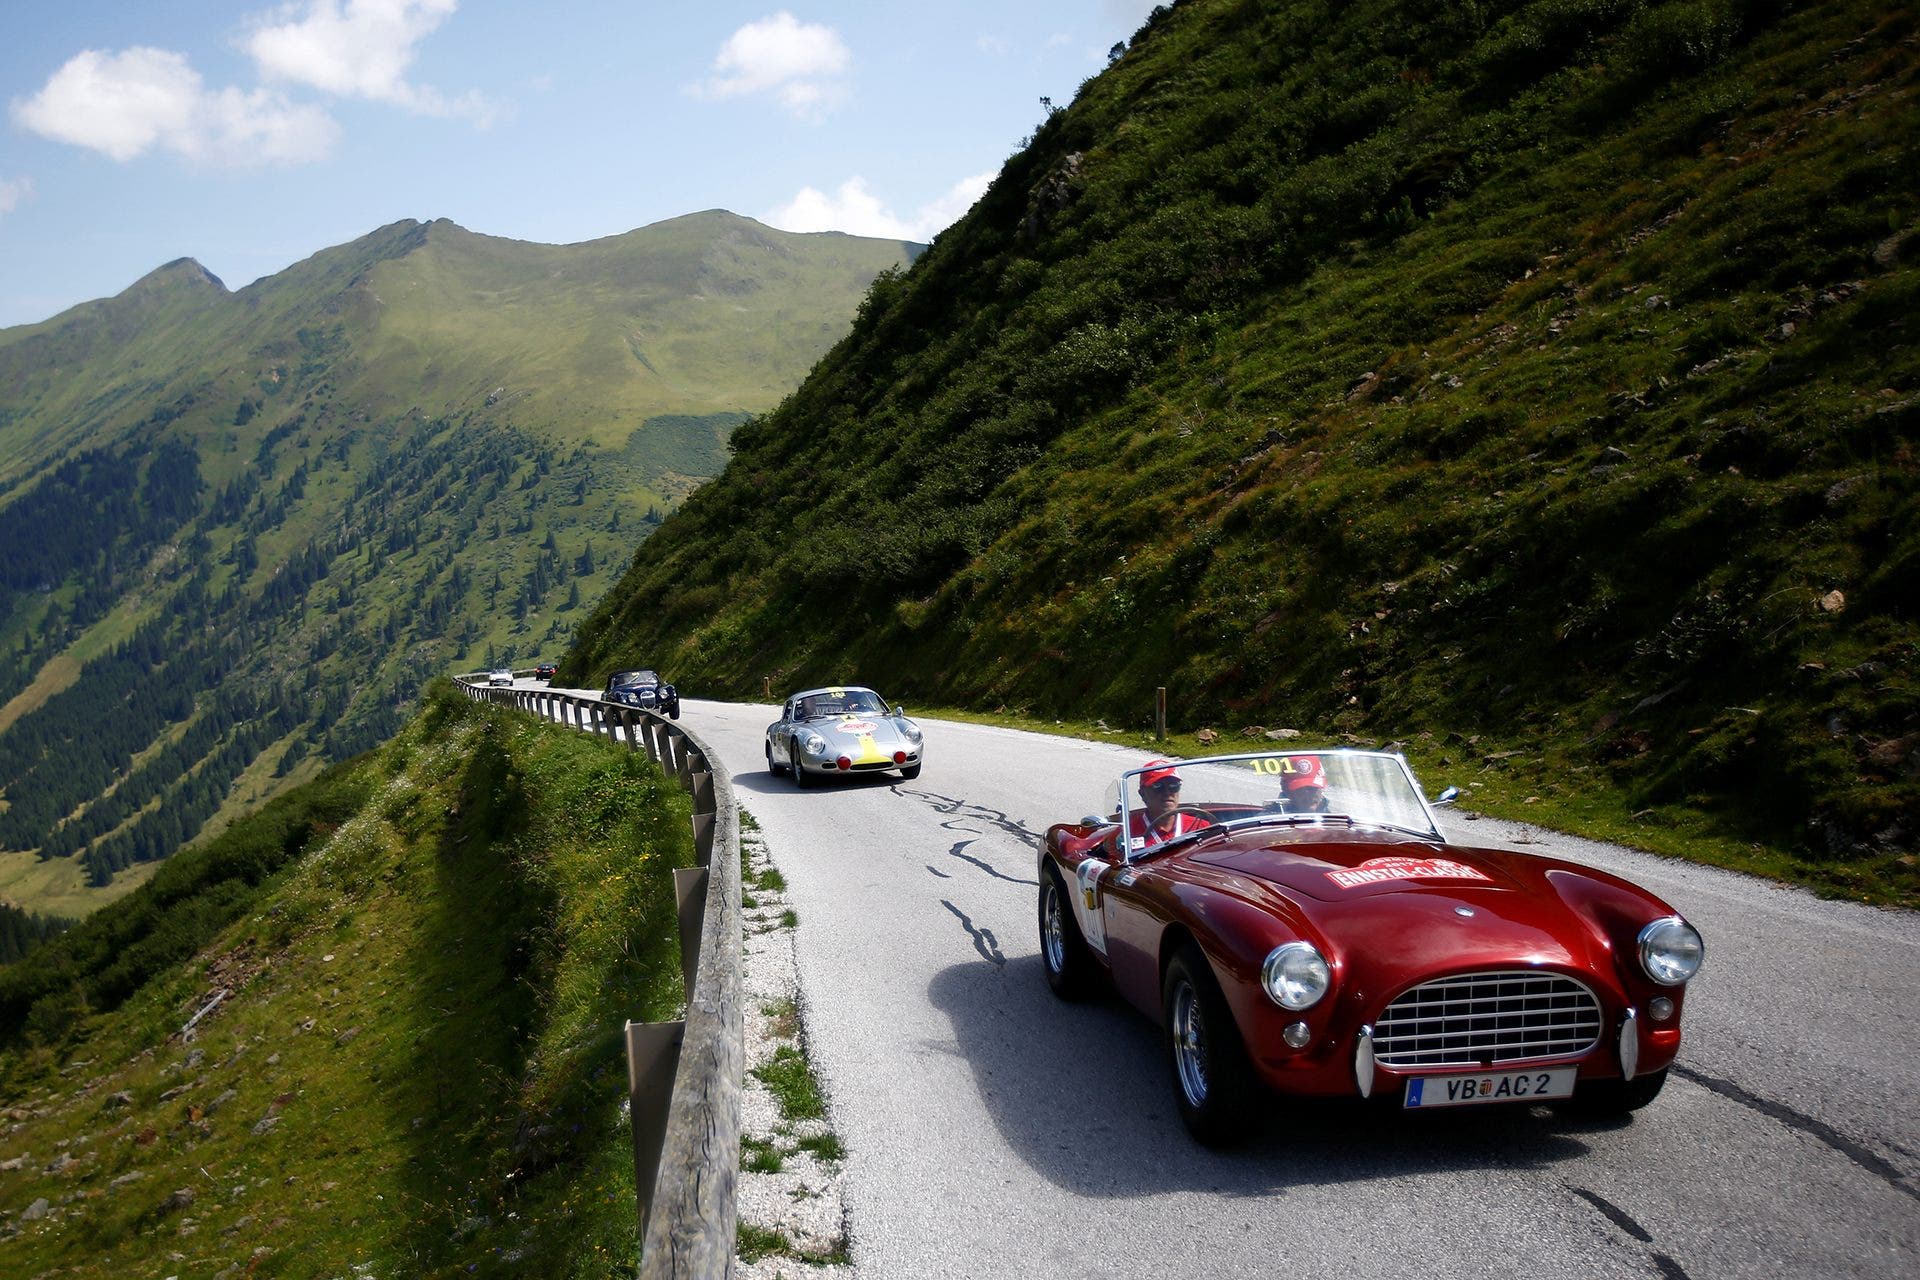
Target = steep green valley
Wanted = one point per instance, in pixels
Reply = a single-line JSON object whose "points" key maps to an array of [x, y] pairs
{"points": [[1538, 378], [239, 531]]}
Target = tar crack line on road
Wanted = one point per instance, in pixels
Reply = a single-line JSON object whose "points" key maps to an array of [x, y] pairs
{"points": [[997, 875], [994, 817], [1620, 1218], [1805, 1124], [983, 940], [937, 871]]}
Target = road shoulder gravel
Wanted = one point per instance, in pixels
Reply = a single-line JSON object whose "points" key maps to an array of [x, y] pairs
{"points": [[793, 1215]]}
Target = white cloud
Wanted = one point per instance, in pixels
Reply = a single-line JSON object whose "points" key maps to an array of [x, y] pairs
{"points": [[939, 214], [803, 65], [13, 192], [129, 103], [117, 103], [362, 49], [856, 210], [236, 126], [126, 104]]}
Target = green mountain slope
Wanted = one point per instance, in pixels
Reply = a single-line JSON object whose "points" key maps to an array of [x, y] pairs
{"points": [[239, 530], [376, 1025], [1542, 373]]}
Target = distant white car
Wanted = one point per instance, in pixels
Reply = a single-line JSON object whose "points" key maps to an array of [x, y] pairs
{"points": [[501, 677]]}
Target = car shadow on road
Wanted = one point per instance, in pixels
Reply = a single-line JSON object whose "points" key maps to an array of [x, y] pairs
{"points": [[1083, 1094], [761, 782]]}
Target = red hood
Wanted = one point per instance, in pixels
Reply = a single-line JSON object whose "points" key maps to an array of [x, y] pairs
{"points": [[1339, 864], [1393, 906]]}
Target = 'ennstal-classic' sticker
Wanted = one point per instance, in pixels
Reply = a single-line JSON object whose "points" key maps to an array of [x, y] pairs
{"points": [[1376, 870]]}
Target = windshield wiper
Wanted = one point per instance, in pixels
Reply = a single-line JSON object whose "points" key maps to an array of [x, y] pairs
{"points": [[1432, 837]]}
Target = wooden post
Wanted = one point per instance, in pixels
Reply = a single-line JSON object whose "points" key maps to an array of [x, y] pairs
{"points": [[690, 896], [766, 687], [1160, 714], [653, 1057]]}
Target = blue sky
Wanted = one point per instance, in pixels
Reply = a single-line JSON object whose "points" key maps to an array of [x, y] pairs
{"points": [[248, 135]]}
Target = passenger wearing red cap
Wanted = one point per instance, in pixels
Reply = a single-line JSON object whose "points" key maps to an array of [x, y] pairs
{"points": [[1304, 784], [1160, 796]]}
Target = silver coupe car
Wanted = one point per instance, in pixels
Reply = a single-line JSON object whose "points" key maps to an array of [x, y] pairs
{"points": [[842, 730]]}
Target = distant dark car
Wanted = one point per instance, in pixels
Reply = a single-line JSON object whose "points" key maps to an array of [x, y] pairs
{"points": [[546, 671], [645, 690]]}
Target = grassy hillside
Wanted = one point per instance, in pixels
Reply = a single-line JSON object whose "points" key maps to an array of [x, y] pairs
{"points": [[417, 1067], [238, 531], [1539, 375]]}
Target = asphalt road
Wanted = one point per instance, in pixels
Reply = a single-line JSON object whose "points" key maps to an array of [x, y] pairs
{"points": [[993, 1131]]}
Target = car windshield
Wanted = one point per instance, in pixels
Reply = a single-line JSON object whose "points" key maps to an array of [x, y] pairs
{"points": [[840, 702], [622, 679], [1170, 799]]}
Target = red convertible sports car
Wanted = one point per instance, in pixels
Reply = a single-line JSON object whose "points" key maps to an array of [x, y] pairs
{"points": [[1297, 922]]}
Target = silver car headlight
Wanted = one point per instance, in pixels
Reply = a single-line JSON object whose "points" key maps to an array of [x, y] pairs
{"points": [[909, 730], [1671, 951], [1296, 975], [812, 743]]}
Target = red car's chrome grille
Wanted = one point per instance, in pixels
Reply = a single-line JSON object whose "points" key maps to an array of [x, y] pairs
{"points": [[1479, 1019]]}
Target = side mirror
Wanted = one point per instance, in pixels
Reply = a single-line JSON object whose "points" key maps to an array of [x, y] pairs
{"points": [[899, 710], [1446, 797]]}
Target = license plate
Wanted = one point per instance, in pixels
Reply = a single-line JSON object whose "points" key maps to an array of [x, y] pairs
{"points": [[1499, 1086]]}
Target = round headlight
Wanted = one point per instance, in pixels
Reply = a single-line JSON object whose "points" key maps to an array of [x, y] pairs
{"points": [[813, 744], [1671, 951], [909, 730], [1295, 975]]}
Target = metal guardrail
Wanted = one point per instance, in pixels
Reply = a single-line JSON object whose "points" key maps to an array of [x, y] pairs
{"points": [[684, 1078]]}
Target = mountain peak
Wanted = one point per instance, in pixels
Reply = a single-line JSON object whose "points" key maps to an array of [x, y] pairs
{"points": [[180, 273]]}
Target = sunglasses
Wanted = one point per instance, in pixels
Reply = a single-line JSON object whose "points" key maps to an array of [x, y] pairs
{"points": [[1165, 784]]}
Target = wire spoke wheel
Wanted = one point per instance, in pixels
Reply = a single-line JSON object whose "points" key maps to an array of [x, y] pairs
{"points": [[1072, 971], [1214, 1086], [1053, 940], [1190, 1044]]}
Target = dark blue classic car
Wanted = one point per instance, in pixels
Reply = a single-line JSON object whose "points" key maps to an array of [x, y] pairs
{"points": [[645, 690]]}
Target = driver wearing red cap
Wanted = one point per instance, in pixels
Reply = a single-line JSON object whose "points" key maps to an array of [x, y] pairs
{"points": [[1160, 796], [1304, 785]]}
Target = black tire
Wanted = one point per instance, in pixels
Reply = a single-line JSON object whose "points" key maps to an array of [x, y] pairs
{"points": [[909, 771], [1072, 972], [1614, 1099], [775, 769], [1213, 1082], [800, 778], [674, 711]]}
